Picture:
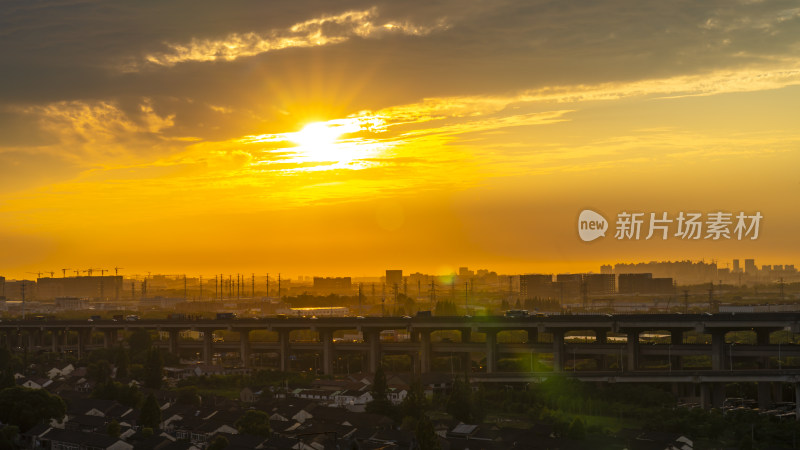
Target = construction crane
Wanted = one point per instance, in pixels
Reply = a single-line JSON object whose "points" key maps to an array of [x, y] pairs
{"points": [[38, 274], [52, 274], [64, 272], [89, 271], [116, 270]]}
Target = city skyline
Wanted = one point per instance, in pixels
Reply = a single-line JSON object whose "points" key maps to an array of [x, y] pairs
{"points": [[337, 138]]}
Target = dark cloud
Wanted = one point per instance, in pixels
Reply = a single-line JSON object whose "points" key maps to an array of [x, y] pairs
{"points": [[72, 50]]}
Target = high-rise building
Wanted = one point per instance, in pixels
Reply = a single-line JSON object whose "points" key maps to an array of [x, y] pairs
{"points": [[750, 267], [606, 269], [736, 268], [394, 277], [644, 283], [333, 284], [536, 285], [599, 283]]}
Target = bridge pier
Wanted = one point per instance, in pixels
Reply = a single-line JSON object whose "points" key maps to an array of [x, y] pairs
{"points": [[283, 352], [208, 346], [718, 397], [558, 351], [705, 396], [762, 338], [675, 337], [764, 397], [632, 349], [425, 351], [54, 338], [373, 338], [109, 338], [84, 337], [244, 347], [174, 335], [600, 336], [797, 401], [326, 336], [466, 335], [491, 349], [718, 350]]}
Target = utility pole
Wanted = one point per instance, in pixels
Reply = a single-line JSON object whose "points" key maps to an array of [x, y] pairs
{"points": [[200, 297], [405, 287], [216, 290], [253, 283], [383, 299], [433, 295], [279, 286], [466, 297], [22, 287], [781, 289], [686, 301], [267, 285], [185, 288], [359, 299]]}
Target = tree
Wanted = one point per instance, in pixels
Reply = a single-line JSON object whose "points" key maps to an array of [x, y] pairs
{"points": [[113, 428], [459, 403], [100, 371], [25, 407], [219, 443], [187, 395], [577, 430], [153, 369], [150, 416], [415, 404], [254, 422], [123, 362], [426, 435], [380, 403], [139, 341]]}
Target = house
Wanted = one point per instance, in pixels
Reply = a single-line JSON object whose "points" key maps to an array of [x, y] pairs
{"points": [[250, 394], [350, 397], [56, 439]]}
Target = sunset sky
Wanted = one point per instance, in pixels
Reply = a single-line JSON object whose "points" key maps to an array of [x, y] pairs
{"points": [[345, 138]]}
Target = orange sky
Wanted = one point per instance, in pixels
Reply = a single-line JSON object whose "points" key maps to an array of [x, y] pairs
{"points": [[346, 139]]}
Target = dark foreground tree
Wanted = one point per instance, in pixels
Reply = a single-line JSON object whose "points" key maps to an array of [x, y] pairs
{"points": [[150, 417], [25, 407], [426, 435], [254, 422]]}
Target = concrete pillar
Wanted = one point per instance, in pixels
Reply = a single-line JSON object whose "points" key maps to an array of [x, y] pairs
{"points": [[705, 396], [762, 336], [208, 345], [244, 347], [778, 388], [676, 337], [108, 339], [174, 335], [718, 350], [424, 351], [632, 350], [84, 336], [718, 397], [283, 352], [466, 362], [373, 338], [54, 340], [533, 335], [797, 401], [466, 335], [558, 350], [601, 336], [32, 338], [326, 336], [764, 399], [491, 351]]}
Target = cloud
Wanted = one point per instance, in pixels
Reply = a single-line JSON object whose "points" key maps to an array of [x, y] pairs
{"points": [[320, 31]]}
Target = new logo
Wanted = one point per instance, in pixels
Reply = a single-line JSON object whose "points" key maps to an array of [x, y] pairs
{"points": [[591, 225]]}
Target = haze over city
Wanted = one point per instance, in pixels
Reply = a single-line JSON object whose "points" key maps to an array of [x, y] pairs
{"points": [[345, 138]]}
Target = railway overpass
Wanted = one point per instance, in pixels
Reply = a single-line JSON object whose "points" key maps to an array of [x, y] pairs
{"points": [[615, 344]]}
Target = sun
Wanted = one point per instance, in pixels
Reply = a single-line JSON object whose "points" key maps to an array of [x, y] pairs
{"points": [[317, 141]]}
